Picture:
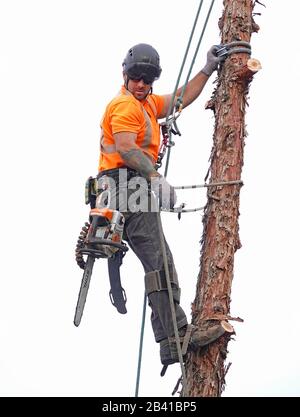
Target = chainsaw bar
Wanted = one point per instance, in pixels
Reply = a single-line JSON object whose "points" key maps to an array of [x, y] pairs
{"points": [[85, 283]]}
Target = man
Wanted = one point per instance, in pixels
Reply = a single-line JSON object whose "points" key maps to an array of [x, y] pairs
{"points": [[130, 140]]}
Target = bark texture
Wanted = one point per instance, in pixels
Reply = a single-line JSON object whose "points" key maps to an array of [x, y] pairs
{"points": [[206, 368]]}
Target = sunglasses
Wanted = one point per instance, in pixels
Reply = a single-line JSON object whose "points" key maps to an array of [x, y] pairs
{"points": [[146, 78], [141, 71]]}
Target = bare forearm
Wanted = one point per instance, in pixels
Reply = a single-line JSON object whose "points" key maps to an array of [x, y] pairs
{"points": [[193, 88], [134, 158], [132, 155], [192, 91]]}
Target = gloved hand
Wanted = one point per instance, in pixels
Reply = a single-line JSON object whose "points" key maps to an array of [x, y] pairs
{"points": [[212, 61], [164, 192]]}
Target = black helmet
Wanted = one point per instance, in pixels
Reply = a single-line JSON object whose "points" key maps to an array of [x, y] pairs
{"points": [[142, 61]]}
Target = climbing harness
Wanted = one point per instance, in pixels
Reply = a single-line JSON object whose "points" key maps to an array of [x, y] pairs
{"points": [[168, 127], [101, 237]]}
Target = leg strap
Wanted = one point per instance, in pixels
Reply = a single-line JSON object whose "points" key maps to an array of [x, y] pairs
{"points": [[156, 280], [184, 340]]}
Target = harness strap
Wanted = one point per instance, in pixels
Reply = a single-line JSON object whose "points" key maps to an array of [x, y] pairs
{"points": [[186, 339], [164, 370], [156, 280], [185, 343]]}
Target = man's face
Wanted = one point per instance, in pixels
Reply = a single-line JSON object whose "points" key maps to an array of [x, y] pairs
{"points": [[138, 88]]}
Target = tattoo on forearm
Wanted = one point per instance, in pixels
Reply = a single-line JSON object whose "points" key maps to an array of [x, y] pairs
{"points": [[135, 159]]}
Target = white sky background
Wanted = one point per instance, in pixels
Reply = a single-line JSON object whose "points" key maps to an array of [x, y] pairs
{"points": [[60, 63]]}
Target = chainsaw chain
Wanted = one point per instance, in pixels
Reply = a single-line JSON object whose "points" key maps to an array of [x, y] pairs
{"points": [[80, 244]]}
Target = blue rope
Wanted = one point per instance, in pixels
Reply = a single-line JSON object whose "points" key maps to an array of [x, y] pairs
{"points": [[197, 50], [189, 73], [184, 60], [138, 374]]}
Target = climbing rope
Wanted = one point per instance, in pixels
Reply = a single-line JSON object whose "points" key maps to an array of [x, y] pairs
{"points": [[212, 184], [196, 51], [184, 61], [181, 209], [236, 47], [138, 374], [170, 128], [171, 300], [178, 105]]}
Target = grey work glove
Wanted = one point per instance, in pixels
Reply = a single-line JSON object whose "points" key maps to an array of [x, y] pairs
{"points": [[212, 61], [164, 192]]}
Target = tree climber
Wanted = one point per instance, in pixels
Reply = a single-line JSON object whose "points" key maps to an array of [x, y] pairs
{"points": [[130, 141]]}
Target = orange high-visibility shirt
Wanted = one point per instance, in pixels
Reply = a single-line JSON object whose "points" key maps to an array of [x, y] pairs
{"points": [[127, 114]]}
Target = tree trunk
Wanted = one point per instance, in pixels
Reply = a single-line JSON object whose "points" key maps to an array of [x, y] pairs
{"points": [[206, 368]]}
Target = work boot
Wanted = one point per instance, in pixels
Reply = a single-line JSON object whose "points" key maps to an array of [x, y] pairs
{"points": [[191, 338]]}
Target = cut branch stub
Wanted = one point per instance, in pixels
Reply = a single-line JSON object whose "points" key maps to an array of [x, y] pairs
{"points": [[254, 65], [227, 326], [247, 71]]}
